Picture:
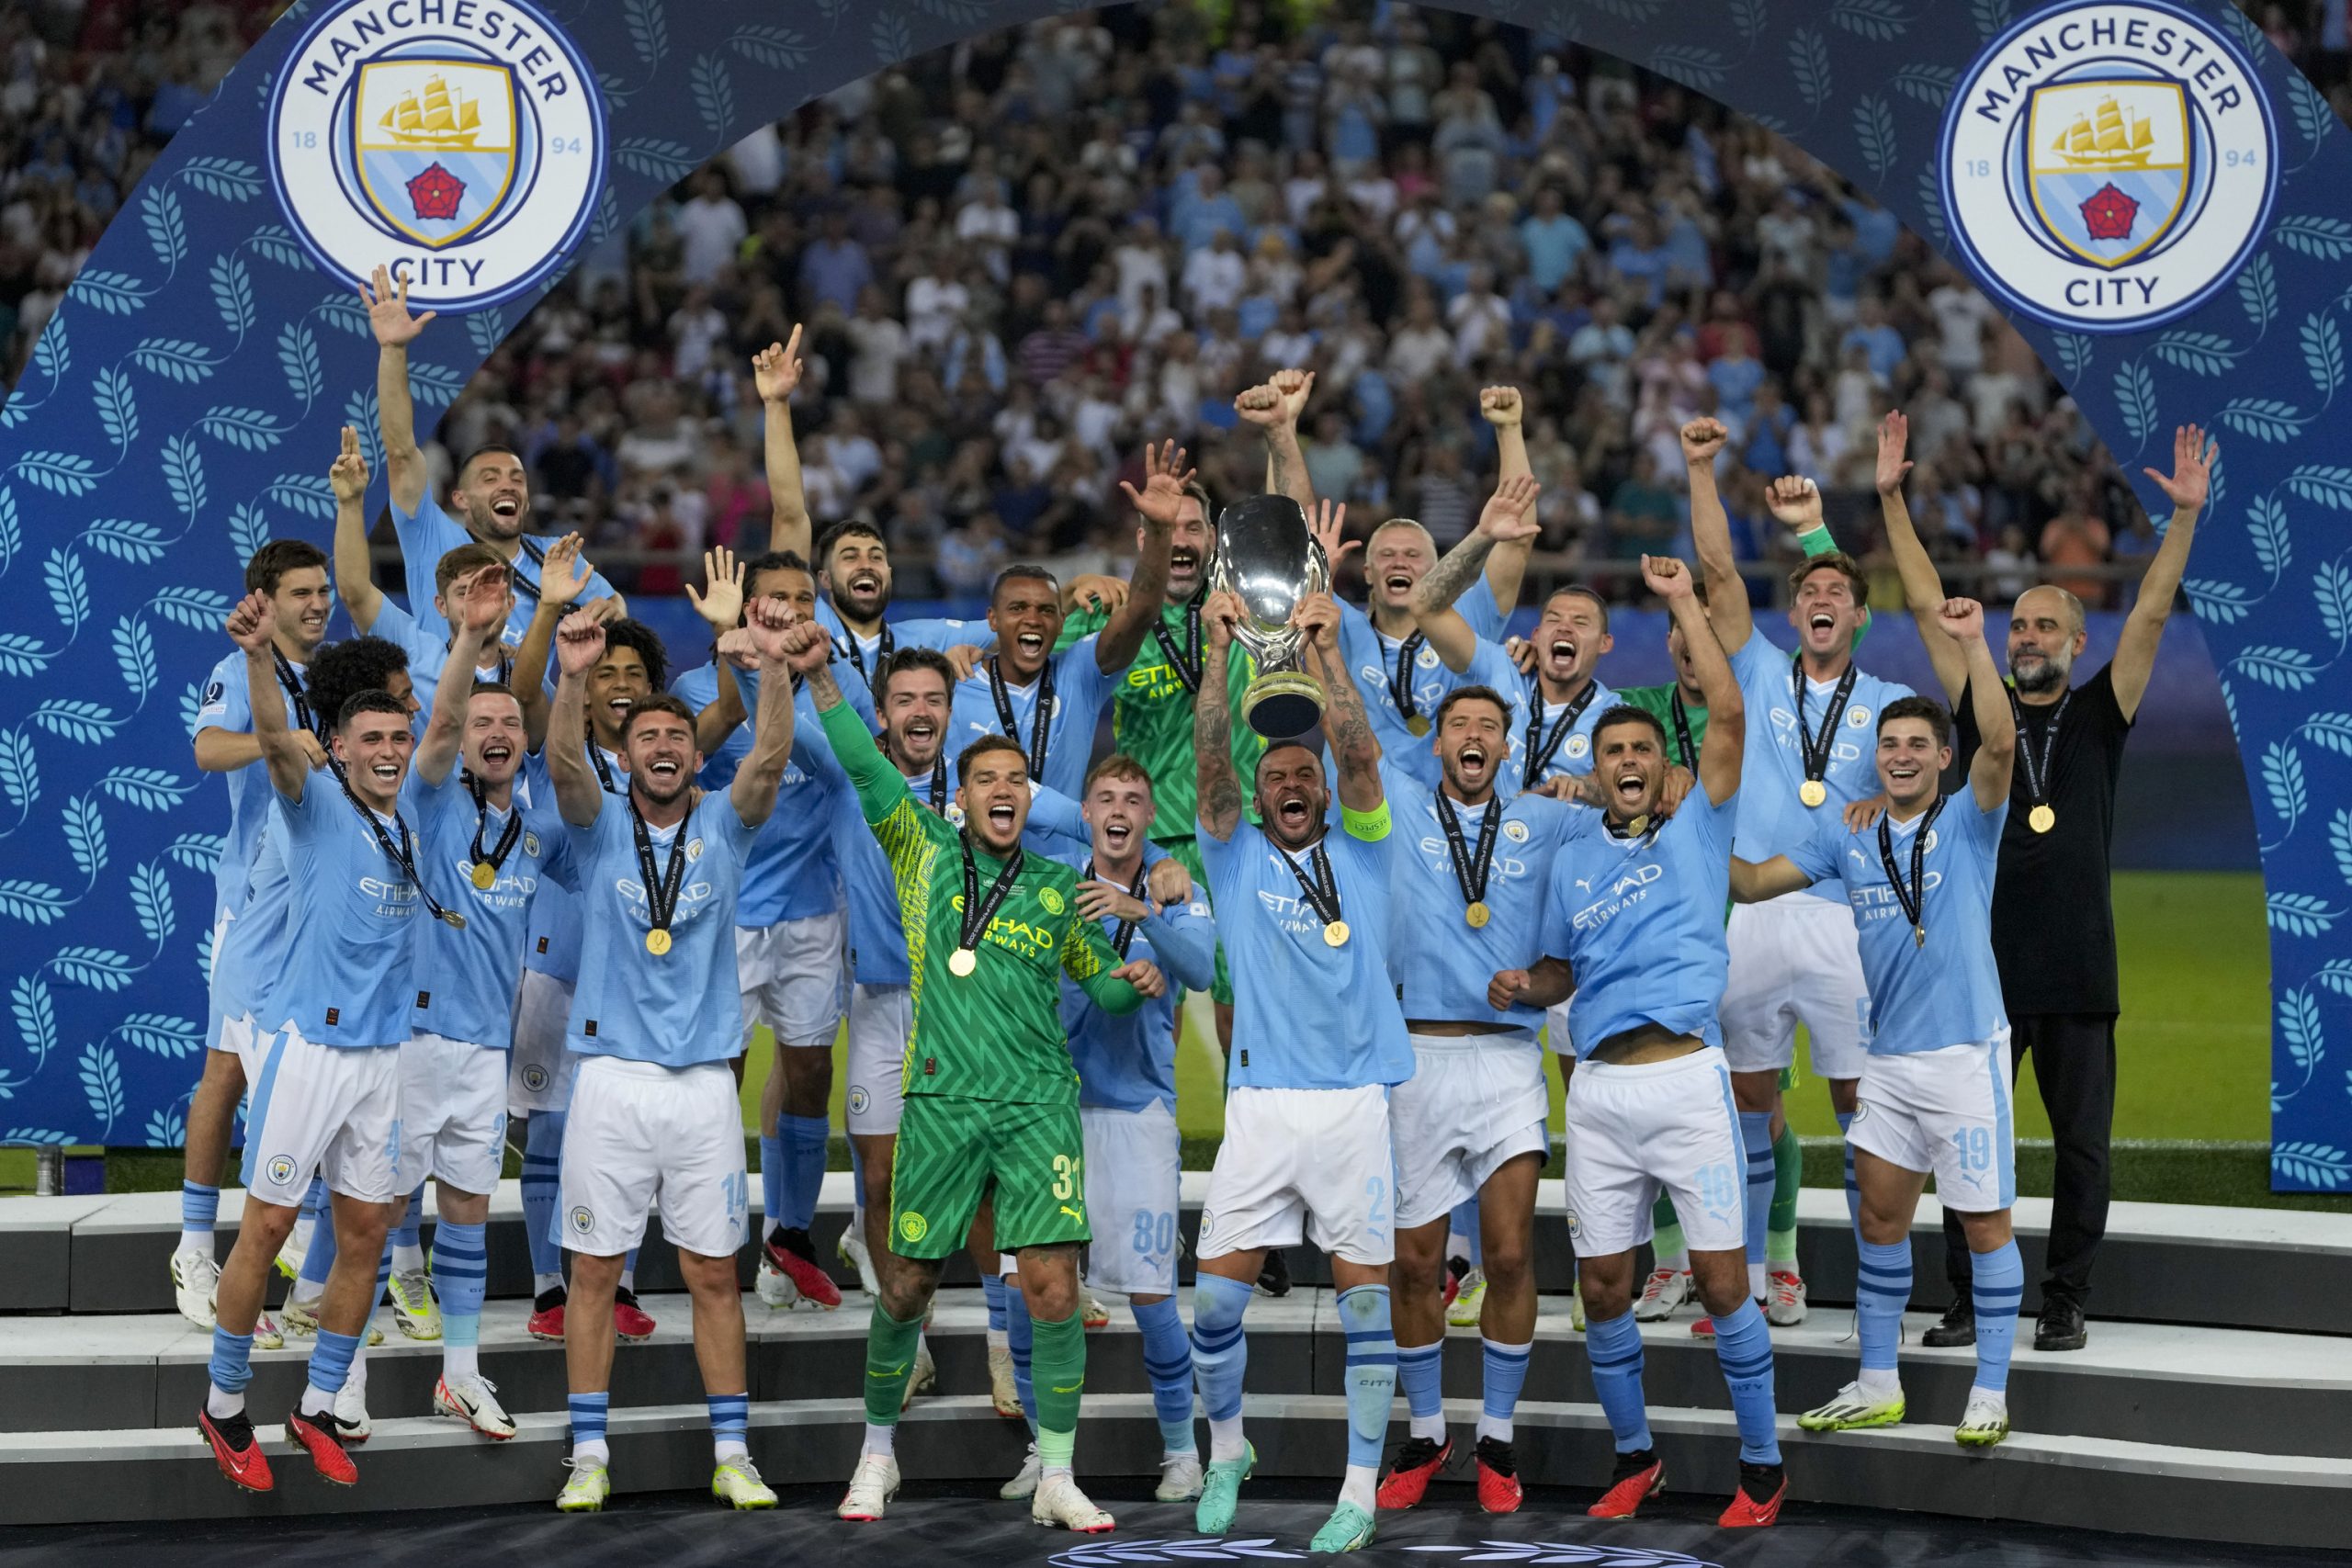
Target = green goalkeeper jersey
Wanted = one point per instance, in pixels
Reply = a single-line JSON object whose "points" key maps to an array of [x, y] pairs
{"points": [[1658, 702], [1151, 719], [997, 1032]]}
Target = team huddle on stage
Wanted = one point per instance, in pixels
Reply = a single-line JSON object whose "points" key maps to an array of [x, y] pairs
{"points": [[490, 858]]}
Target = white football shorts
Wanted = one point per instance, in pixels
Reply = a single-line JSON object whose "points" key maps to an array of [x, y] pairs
{"points": [[1944, 1113], [453, 1113], [641, 1134], [1134, 1173], [880, 1019], [1474, 1102], [793, 976], [333, 1110], [1634, 1130], [540, 1067], [1795, 959], [1304, 1162]]}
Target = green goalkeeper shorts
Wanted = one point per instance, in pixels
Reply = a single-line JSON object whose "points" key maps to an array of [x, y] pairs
{"points": [[953, 1152]]}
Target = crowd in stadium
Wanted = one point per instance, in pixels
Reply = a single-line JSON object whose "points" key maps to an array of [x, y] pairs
{"points": [[1020, 257]]}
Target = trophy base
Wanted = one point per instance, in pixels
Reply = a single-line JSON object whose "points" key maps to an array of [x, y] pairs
{"points": [[1282, 707]]}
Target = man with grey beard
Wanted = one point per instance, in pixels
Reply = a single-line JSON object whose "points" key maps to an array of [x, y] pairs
{"points": [[2053, 926]]}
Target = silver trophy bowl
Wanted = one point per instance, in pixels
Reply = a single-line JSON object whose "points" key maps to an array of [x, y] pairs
{"points": [[1267, 558]]}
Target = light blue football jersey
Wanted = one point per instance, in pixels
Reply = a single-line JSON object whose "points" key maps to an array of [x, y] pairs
{"points": [[551, 945], [465, 979], [1372, 658], [1565, 744], [430, 533], [349, 960], [865, 654], [1128, 1063], [228, 704], [1308, 1015], [252, 950], [684, 1006], [1773, 820], [1640, 920], [1444, 962], [1948, 991], [1081, 690], [428, 654]]}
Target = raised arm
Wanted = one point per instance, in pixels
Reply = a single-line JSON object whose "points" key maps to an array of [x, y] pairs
{"points": [[1727, 607], [1923, 587], [1721, 751], [1961, 622], [720, 603], [1218, 790], [1503, 407], [1275, 408], [289, 765], [1161, 497], [355, 574], [1509, 519], [775, 370], [477, 612], [579, 643], [395, 329], [1346, 730], [563, 576], [2135, 650], [762, 769]]}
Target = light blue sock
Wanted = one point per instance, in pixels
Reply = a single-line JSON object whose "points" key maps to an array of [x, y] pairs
{"points": [[1614, 1346], [1882, 1290], [1504, 1373], [407, 1248], [588, 1413], [542, 1148], [772, 1176], [318, 1262], [1220, 1355], [331, 1361], [993, 1290], [1372, 1371], [806, 1140], [1464, 1223], [1019, 1336], [232, 1368], [1421, 1373], [1997, 1284], [1168, 1362], [1756, 1138], [1853, 1187], [200, 1207], [461, 1267], [1744, 1347], [730, 1424]]}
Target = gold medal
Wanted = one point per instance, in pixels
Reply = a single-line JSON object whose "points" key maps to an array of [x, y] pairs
{"points": [[1417, 725], [1813, 792], [962, 962], [1477, 914], [1636, 825], [1918, 936], [2042, 818], [1335, 934], [657, 941], [457, 921], [484, 874]]}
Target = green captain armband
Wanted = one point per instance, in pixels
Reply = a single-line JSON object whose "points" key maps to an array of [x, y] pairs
{"points": [[1369, 826], [1817, 542]]}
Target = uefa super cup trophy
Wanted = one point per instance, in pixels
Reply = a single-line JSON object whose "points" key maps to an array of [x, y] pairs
{"points": [[1267, 558]]}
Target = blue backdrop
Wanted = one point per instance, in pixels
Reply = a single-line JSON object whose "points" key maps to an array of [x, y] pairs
{"points": [[182, 407]]}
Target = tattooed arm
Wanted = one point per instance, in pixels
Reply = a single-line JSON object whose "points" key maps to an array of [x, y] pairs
{"points": [[1345, 728], [1219, 787], [1509, 519]]}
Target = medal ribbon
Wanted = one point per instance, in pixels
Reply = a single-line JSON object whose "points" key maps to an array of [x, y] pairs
{"points": [[979, 911], [1186, 659], [661, 887], [1470, 870], [939, 784], [1400, 679], [1126, 934], [1911, 897], [495, 858], [1816, 745], [603, 769], [2037, 767], [1537, 754], [883, 648], [1682, 732], [1040, 718], [402, 854], [296, 698], [1322, 890]]}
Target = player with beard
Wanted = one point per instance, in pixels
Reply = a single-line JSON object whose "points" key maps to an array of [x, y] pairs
{"points": [[992, 1104], [540, 1069], [1792, 960], [1634, 926], [852, 560], [329, 1079], [1390, 652], [791, 942], [2054, 922], [654, 1117], [1318, 1039], [292, 575], [1935, 1090], [1472, 864], [1048, 698], [485, 852], [492, 496]]}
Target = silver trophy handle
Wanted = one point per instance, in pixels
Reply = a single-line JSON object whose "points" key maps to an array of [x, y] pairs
{"points": [[1267, 558]]}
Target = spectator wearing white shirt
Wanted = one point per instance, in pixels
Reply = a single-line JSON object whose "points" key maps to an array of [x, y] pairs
{"points": [[1416, 352], [935, 303], [1214, 276], [1481, 319], [879, 345], [710, 227]]}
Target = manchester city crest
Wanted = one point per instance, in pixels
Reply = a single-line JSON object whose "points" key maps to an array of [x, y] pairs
{"points": [[463, 147], [2107, 167]]}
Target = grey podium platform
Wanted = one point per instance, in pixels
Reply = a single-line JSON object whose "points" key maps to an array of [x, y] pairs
{"points": [[2255, 1268]]}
